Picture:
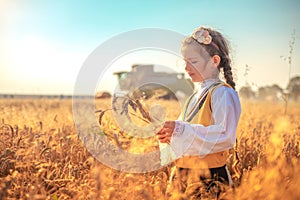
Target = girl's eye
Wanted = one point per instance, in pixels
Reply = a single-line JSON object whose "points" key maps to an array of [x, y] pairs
{"points": [[194, 62]]}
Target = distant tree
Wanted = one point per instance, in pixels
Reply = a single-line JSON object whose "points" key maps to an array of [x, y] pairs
{"points": [[102, 95], [246, 92], [273, 92], [293, 88]]}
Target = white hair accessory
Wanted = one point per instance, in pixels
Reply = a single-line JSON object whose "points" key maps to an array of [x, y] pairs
{"points": [[202, 36]]}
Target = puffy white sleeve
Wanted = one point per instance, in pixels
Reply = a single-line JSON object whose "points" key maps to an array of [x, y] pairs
{"points": [[196, 139]]}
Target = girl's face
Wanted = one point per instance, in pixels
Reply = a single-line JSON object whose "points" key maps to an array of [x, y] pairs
{"points": [[199, 67]]}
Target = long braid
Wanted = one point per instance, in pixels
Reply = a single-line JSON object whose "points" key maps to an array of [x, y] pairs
{"points": [[227, 71], [223, 52]]}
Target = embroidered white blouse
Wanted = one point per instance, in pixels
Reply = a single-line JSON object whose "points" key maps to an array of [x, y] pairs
{"points": [[195, 139]]}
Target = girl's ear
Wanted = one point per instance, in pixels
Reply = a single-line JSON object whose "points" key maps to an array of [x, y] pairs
{"points": [[216, 60]]}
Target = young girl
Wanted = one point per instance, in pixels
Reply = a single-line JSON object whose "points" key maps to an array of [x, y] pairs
{"points": [[207, 129]]}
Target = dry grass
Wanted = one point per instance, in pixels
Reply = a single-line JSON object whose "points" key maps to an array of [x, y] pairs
{"points": [[41, 156]]}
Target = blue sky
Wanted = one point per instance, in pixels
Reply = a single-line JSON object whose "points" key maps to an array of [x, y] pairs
{"points": [[44, 43]]}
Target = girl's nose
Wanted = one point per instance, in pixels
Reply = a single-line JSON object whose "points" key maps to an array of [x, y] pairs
{"points": [[187, 67]]}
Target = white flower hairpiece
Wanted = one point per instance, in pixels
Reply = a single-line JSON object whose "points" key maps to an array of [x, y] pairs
{"points": [[202, 36]]}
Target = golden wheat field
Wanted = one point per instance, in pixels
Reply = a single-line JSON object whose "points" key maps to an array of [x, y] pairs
{"points": [[41, 156]]}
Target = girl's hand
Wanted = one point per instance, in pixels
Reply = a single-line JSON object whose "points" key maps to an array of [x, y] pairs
{"points": [[165, 134]]}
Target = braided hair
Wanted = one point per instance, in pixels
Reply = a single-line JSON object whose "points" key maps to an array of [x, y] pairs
{"points": [[219, 47]]}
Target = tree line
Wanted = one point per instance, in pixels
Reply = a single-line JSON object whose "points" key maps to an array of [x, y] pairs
{"points": [[273, 92]]}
